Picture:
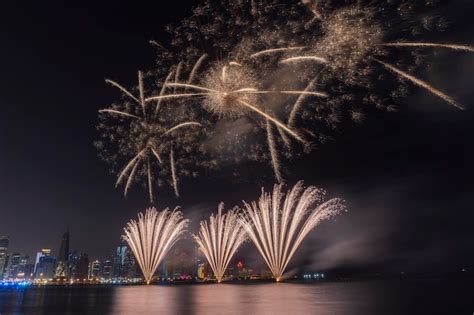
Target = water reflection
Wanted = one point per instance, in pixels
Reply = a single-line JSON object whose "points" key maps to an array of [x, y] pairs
{"points": [[355, 298], [274, 298]]}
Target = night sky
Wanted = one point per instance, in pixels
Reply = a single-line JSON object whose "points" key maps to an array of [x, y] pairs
{"points": [[406, 176]]}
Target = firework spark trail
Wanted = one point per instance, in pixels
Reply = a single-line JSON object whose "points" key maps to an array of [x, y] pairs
{"points": [[141, 90], [191, 86], [155, 153], [224, 74], [158, 45], [275, 50], [304, 58], [274, 120], [420, 83], [173, 172], [127, 167], [273, 152], [277, 228], [284, 137], [162, 92], [150, 188], [124, 90], [171, 96], [431, 45], [299, 102], [306, 93], [185, 124], [132, 176], [196, 67], [220, 238], [113, 111], [245, 90], [151, 238], [254, 91]]}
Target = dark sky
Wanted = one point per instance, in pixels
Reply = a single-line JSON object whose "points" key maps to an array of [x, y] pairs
{"points": [[407, 176]]}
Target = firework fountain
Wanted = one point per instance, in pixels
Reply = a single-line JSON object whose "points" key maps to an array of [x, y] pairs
{"points": [[220, 238], [152, 236], [277, 227]]}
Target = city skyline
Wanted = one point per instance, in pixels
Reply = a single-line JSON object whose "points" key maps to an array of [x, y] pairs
{"points": [[120, 267]]}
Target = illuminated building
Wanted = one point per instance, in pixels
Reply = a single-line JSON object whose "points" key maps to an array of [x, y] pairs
{"points": [[43, 253], [107, 269], [45, 268], [95, 269], [314, 276], [14, 265], [23, 270], [62, 266], [124, 264], [201, 273], [73, 258], [4, 241], [81, 268]]}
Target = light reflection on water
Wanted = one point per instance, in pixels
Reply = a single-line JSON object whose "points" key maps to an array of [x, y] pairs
{"points": [[355, 298], [281, 298]]}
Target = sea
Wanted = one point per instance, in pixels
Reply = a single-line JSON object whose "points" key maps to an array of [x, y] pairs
{"points": [[401, 296]]}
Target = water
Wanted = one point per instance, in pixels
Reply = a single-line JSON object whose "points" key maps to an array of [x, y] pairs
{"points": [[334, 298]]}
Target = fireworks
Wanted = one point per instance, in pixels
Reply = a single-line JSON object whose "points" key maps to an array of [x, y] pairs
{"points": [[420, 83], [219, 239], [264, 79], [145, 136], [231, 90], [152, 236], [277, 227], [350, 41]]}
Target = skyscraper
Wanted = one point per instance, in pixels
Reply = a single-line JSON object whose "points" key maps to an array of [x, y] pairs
{"points": [[62, 267], [107, 268], [94, 269], [4, 241], [24, 270], [14, 265], [45, 268], [72, 262], [123, 263], [81, 268], [45, 252]]}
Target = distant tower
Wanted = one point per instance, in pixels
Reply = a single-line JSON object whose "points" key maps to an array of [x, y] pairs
{"points": [[62, 267], [4, 240]]}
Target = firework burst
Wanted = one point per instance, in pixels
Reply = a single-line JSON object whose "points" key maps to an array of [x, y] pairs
{"points": [[219, 238], [277, 227], [146, 136], [349, 42], [230, 91], [152, 236], [269, 79], [237, 83]]}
